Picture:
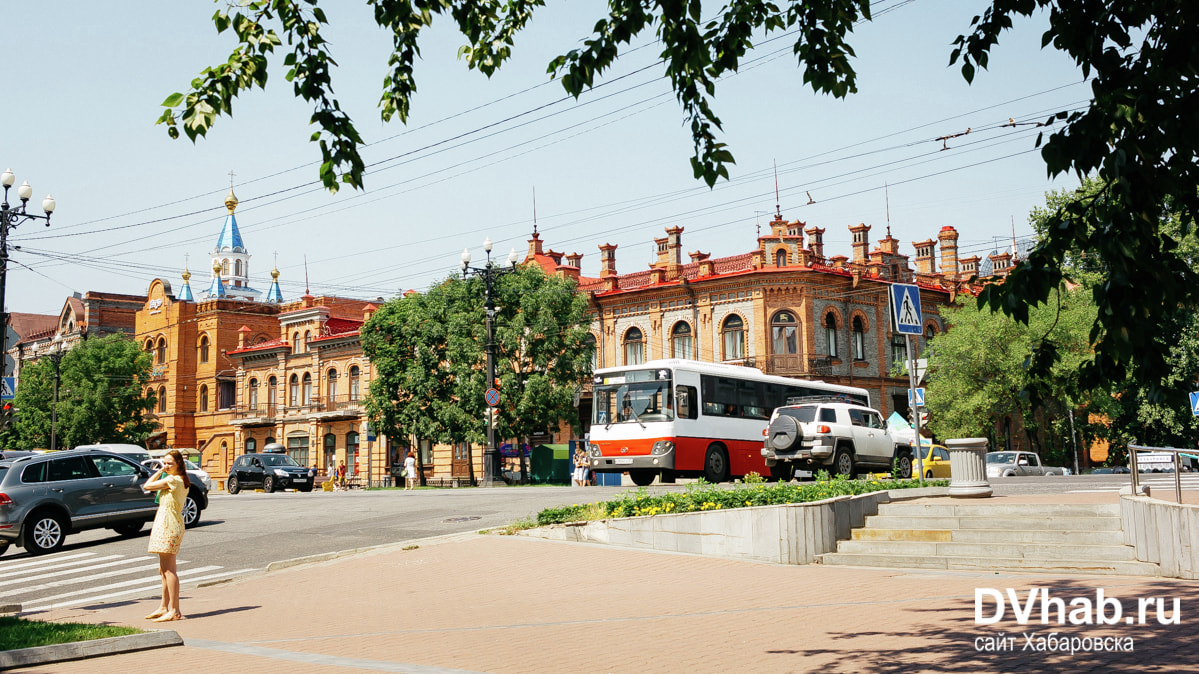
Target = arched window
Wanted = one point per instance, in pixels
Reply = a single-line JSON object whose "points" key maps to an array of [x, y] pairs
{"points": [[237, 268], [252, 394], [204, 349], [251, 445], [899, 350], [162, 399], [307, 340], [930, 331], [634, 347], [272, 391], [589, 341], [780, 258], [203, 401], [307, 389], [331, 451], [150, 346], [784, 330], [269, 441], [293, 393], [352, 452], [224, 267], [680, 341], [732, 336], [331, 378], [830, 334], [859, 339], [296, 347], [162, 351], [354, 390]]}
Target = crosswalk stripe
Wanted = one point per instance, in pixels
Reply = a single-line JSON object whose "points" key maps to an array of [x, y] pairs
{"points": [[63, 572], [21, 564], [142, 590], [76, 581], [127, 583]]}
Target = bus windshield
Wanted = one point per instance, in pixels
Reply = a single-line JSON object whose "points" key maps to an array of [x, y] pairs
{"points": [[633, 402]]}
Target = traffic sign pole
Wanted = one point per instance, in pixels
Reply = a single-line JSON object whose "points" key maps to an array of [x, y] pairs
{"points": [[918, 464]]}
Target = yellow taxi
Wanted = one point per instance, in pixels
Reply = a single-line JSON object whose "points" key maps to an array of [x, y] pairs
{"points": [[936, 462]]}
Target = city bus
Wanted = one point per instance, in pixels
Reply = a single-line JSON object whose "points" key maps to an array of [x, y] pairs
{"points": [[689, 418]]}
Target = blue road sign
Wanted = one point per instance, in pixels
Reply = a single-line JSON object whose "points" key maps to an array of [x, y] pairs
{"points": [[916, 397], [1195, 403], [493, 397], [905, 309], [8, 387]]}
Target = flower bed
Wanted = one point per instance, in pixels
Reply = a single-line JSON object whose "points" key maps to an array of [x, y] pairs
{"points": [[702, 496]]}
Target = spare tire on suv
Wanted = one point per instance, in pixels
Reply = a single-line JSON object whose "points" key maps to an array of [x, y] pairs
{"points": [[784, 433]]}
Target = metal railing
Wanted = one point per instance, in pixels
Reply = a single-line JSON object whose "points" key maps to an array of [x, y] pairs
{"points": [[344, 401], [255, 411], [1136, 475]]}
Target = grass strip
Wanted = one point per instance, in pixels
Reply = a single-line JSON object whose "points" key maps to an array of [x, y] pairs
{"points": [[21, 633]]}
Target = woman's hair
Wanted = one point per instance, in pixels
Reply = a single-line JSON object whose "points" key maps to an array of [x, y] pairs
{"points": [[181, 466]]}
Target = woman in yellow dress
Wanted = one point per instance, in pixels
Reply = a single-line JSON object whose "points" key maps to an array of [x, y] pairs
{"points": [[167, 534]]}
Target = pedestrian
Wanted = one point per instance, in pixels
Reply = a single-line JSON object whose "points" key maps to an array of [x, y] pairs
{"points": [[341, 475], [172, 485], [410, 471], [580, 475]]}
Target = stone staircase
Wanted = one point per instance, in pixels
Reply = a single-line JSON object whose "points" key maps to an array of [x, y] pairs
{"points": [[980, 536]]}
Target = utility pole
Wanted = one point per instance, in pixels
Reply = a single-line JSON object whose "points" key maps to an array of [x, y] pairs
{"points": [[9, 219]]}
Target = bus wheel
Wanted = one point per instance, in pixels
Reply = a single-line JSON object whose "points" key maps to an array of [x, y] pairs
{"points": [[783, 471], [843, 463], [643, 478], [716, 464]]}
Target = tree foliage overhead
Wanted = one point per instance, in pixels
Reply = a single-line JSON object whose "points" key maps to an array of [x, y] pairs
{"points": [[100, 396], [430, 368], [1139, 133]]}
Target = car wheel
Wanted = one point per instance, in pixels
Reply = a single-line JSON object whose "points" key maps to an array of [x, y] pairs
{"points": [[4, 547], [232, 486], [783, 471], [129, 528], [644, 477], [268, 485], [191, 512], [45, 533], [903, 467], [716, 464], [843, 463]]}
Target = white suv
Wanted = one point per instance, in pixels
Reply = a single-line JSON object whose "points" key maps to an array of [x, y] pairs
{"points": [[842, 437]]}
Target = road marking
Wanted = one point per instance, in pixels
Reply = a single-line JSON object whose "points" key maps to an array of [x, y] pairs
{"points": [[127, 583], [21, 564], [141, 590], [76, 581], [64, 572]]}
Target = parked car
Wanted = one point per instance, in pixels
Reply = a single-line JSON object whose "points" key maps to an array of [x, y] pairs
{"points": [[197, 497], [45, 497], [1010, 464], [829, 433], [935, 463], [135, 452], [271, 472], [14, 454]]}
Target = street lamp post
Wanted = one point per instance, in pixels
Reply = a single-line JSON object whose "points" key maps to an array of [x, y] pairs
{"points": [[9, 219], [55, 354], [489, 272]]}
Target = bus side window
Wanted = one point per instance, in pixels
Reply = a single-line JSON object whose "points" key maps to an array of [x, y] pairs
{"points": [[685, 402]]}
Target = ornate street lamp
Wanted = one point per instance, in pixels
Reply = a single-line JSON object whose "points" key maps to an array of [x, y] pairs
{"points": [[55, 353], [9, 219], [489, 272]]}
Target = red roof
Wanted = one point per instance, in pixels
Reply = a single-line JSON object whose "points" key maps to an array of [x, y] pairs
{"points": [[263, 346]]}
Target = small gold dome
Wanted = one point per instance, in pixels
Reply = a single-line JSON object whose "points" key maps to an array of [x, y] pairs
{"points": [[187, 275], [274, 274], [216, 267], [231, 201]]}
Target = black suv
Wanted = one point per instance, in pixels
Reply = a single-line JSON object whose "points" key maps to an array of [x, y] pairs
{"points": [[271, 472], [47, 496]]}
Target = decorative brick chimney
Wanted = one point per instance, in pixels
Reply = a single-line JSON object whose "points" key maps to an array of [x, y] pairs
{"points": [[926, 262], [368, 311], [1001, 263], [555, 256], [948, 237], [816, 242], [889, 244], [575, 260], [657, 275], [534, 246], [861, 242], [607, 260], [243, 332], [969, 267]]}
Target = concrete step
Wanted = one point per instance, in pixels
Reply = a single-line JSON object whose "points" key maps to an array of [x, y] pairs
{"points": [[1056, 523], [1038, 551], [991, 509], [992, 564], [1106, 537]]}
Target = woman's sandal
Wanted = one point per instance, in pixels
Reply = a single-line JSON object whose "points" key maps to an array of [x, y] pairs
{"points": [[157, 614], [168, 617]]}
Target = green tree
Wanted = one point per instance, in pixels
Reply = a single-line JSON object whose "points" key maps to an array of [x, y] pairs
{"points": [[430, 367], [1139, 133], [100, 396]]}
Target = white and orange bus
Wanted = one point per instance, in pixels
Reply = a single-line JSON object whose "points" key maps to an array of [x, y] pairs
{"points": [[689, 418]]}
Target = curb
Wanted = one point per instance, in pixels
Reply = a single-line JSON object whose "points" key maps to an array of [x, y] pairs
{"points": [[79, 650]]}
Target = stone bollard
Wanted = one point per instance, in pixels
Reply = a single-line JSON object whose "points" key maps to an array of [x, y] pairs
{"points": [[968, 468]]}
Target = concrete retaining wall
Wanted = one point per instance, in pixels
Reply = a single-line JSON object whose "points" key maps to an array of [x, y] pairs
{"points": [[1164, 533], [793, 533]]}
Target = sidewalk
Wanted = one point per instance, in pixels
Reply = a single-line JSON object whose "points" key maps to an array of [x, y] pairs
{"points": [[515, 604]]}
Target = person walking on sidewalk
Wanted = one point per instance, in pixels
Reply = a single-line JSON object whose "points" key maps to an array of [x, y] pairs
{"points": [[409, 471], [172, 485]]}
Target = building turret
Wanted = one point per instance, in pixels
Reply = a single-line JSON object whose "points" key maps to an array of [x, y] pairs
{"points": [[185, 293]]}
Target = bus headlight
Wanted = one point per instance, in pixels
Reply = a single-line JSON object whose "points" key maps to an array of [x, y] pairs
{"points": [[662, 447], [594, 450]]}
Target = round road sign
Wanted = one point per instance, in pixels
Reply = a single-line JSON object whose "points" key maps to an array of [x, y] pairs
{"points": [[493, 397]]}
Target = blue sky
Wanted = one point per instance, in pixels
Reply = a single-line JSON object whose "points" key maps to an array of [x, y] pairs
{"points": [[85, 81]]}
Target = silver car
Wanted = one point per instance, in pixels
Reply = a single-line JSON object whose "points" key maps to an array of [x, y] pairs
{"points": [[1011, 464], [45, 497]]}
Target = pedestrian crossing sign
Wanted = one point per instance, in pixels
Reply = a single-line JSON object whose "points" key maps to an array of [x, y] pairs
{"points": [[7, 386], [905, 309], [1195, 403]]}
